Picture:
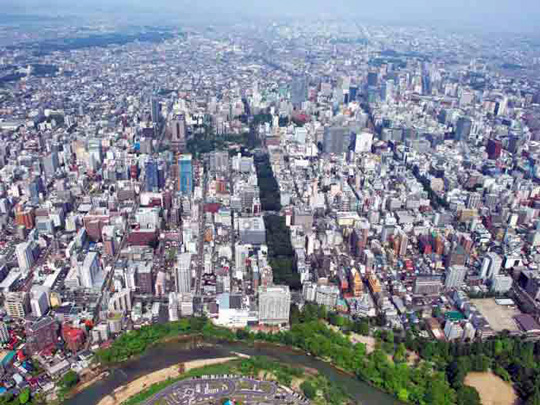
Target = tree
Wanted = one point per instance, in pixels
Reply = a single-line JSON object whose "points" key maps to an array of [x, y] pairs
{"points": [[401, 353], [69, 380], [308, 389], [24, 396], [467, 396], [534, 399], [403, 395]]}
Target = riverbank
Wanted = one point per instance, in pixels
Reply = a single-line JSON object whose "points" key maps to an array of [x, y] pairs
{"points": [[166, 355], [124, 392]]}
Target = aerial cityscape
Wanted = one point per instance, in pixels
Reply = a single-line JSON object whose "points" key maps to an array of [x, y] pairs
{"points": [[296, 210]]}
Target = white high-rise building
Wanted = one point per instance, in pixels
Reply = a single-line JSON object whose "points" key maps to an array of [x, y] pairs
{"points": [[120, 301], [39, 300], [491, 266], [455, 276], [183, 273], [241, 253], [17, 304], [4, 333], [25, 257], [173, 307], [274, 304], [89, 269]]}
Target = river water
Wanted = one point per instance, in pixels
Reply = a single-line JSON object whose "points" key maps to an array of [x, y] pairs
{"points": [[168, 354]]}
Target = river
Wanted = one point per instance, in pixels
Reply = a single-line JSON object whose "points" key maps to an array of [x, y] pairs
{"points": [[168, 354]]}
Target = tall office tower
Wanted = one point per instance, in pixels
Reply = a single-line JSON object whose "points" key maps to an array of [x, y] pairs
{"points": [[298, 91], [161, 171], [178, 134], [34, 189], [494, 149], [274, 304], [39, 300], [4, 333], [353, 93], [185, 177], [25, 256], [156, 110], [151, 179], [183, 273], [463, 129], [51, 164], [491, 265], [455, 276], [173, 307], [387, 90], [219, 161], [501, 106], [89, 269], [372, 79], [95, 150], [336, 140], [403, 244]]}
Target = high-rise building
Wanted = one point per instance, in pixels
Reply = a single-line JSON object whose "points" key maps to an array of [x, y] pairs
{"points": [[51, 164], [173, 307], [95, 150], [89, 269], [241, 254], [4, 333], [39, 300], [120, 301], [372, 79], [151, 180], [274, 305], [41, 334], [24, 216], [298, 91], [25, 256], [353, 93], [491, 266], [156, 110], [336, 140], [17, 304], [455, 276], [473, 200], [463, 129], [494, 149], [219, 161], [183, 273], [327, 295], [178, 134], [185, 174], [144, 279]]}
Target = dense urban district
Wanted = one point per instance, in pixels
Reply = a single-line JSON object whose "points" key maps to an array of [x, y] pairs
{"points": [[368, 194]]}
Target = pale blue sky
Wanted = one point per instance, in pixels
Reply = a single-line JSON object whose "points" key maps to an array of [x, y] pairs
{"points": [[503, 15]]}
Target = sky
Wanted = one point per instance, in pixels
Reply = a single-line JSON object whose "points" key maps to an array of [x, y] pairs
{"points": [[499, 15]]}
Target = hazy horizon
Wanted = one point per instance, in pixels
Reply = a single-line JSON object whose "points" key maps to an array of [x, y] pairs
{"points": [[484, 15]]}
